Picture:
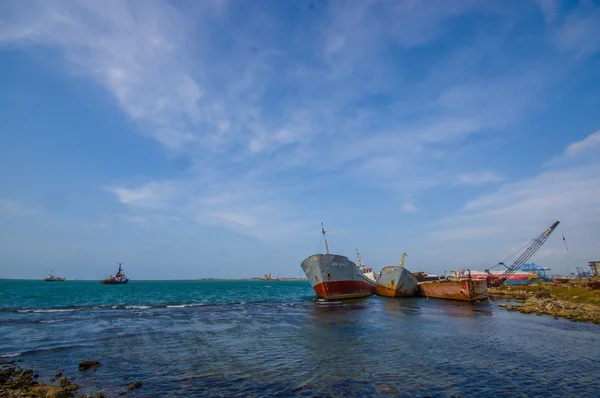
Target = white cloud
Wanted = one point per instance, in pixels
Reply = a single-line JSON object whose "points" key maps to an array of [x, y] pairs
{"points": [[589, 142], [493, 225], [409, 207], [479, 177], [222, 107], [13, 207], [549, 8], [580, 32], [153, 195], [131, 219], [135, 50]]}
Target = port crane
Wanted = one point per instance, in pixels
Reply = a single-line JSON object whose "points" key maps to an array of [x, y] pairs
{"points": [[497, 280]]}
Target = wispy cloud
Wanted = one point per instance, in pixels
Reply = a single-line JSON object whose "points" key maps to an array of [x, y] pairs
{"points": [[580, 32], [589, 142], [519, 210], [479, 177], [409, 206], [13, 207], [374, 94]]}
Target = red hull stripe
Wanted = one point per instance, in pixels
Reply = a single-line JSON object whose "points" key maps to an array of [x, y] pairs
{"points": [[341, 289]]}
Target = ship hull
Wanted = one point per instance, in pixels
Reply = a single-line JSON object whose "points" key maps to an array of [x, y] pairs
{"points": [[396, 281], [113, 282], [464, 289], [335, 277]]}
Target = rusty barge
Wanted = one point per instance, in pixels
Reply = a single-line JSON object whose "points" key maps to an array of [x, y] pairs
{"points": [[396, 281], [455, 288]]}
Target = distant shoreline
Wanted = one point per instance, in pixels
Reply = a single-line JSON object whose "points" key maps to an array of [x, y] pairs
{"points": [[168, 280]]}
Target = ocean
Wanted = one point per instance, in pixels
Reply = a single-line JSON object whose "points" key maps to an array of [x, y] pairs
{"points": [[272, 338]]}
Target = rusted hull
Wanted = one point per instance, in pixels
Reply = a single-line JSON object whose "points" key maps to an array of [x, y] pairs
{"points": [[465, 290], [343, 290], [396, 282], [335, 277]]}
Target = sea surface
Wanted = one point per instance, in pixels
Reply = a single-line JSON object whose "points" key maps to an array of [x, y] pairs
{"points": [[272, 338]]}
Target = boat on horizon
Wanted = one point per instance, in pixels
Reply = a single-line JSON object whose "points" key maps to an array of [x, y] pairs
{"points": [[455, 287], [53, 278], [336, 277], [396, 281], [118, 279]]}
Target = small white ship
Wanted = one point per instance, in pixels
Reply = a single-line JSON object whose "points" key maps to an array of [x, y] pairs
{"points": [[53, 278]]}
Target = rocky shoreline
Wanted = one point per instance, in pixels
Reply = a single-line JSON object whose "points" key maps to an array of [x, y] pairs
{"points": [[575, 301], [18, 382]]}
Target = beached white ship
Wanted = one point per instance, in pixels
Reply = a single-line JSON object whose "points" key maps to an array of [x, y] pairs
{"points": [[335, 277]]}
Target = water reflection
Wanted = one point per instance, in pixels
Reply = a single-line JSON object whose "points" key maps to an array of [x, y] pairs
{"points": [[459, 309], [399, 306]]}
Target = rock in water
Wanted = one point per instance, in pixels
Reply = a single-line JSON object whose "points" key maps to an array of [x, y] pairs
{"points": [[85, 365], [57, 394], [132, 386]]}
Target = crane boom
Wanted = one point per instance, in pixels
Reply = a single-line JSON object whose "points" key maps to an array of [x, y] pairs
{"points": [[401, 265], [494, 280]]}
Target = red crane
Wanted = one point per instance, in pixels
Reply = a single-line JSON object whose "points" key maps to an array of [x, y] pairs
{"points": [[497, 280]]}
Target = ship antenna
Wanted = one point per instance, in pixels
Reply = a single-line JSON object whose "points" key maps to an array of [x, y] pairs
{"points": [[325, 237]]}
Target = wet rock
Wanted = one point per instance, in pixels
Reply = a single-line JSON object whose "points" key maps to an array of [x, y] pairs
{"points": [[386, 389], [99, 395], [122, 393], [58, 373], [135, 385], [545, 294], [57, 393], [85, 365]]}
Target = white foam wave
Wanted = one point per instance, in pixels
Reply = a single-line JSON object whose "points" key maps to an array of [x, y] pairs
{"points": [[185, 305], [16, 354], [53, 321], [137, 307], [48, 310]]}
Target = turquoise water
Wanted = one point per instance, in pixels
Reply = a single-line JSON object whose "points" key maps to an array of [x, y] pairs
{"points": [[270, 338]]}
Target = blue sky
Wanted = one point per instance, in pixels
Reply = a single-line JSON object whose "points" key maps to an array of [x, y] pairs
{"points": [[210, 139]]}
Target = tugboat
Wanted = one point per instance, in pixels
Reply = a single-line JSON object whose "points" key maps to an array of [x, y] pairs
{"points": [[53, 278], [335, 277], [118, 279]]}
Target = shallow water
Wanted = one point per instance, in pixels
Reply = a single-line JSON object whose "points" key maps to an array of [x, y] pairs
{"points": [[265, 338]]}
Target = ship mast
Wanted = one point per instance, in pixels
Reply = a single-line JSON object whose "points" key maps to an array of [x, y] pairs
{"points": [[360, 262], [325, 237]]}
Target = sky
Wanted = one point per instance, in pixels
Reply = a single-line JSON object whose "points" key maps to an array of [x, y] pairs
{"points": [[191, 139]]}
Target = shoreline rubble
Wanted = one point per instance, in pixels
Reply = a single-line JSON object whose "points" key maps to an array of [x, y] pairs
{"points": [[575, 301], [18, 382]]}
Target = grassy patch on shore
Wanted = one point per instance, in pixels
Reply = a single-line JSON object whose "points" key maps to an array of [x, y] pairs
{"points": [[574, 293]]}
